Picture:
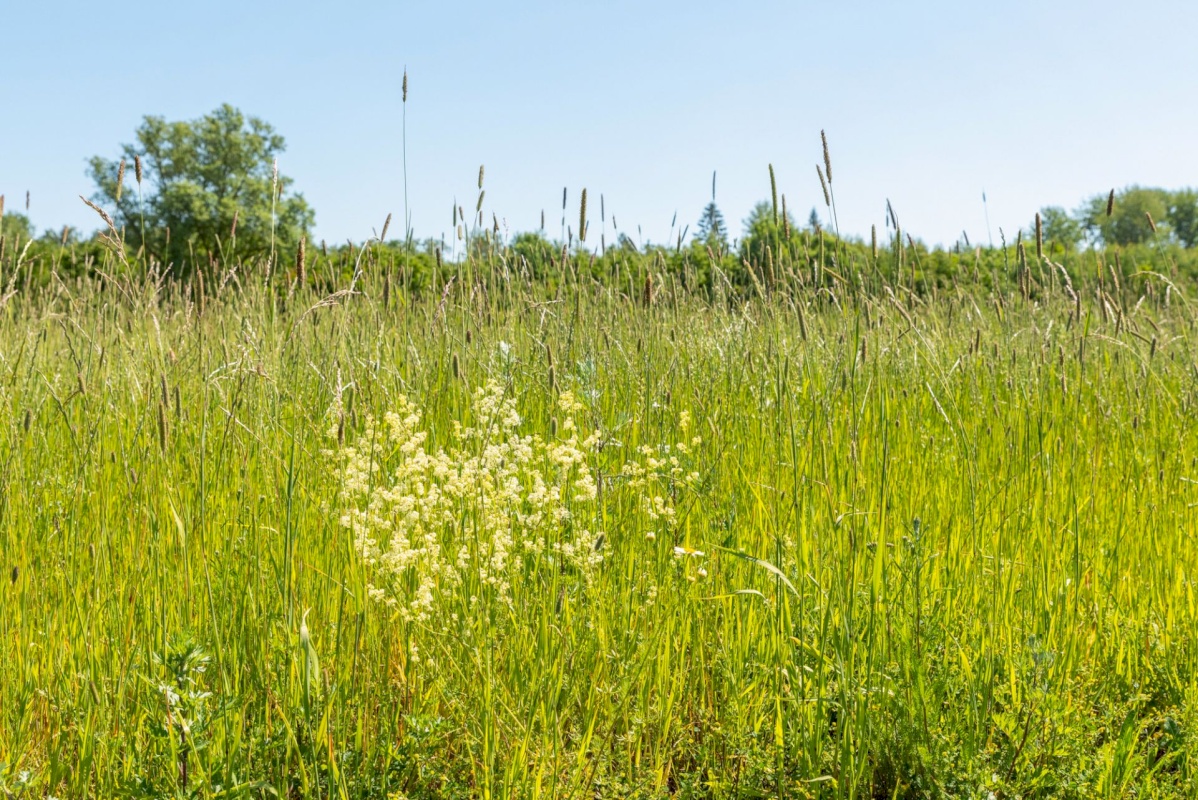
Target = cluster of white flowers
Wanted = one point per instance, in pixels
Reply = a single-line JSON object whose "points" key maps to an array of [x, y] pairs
{"points": [[487, 505], [661, 474]]}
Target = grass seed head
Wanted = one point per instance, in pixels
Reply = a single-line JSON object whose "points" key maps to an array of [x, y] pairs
{"points": [[301, 258], [774, 194], [582, 218], [120, 180], [827, 158], [162, 427]]}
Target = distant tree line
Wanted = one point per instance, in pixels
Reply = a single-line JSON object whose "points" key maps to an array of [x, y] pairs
{"points": [[205, 195], [1135, 215]]}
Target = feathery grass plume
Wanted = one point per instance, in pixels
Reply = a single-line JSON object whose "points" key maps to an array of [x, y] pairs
{"points": [[66, 231], [324, 248], [602, 210], [233, 227], [28, 420], [774, 194], [438, 259], [456, 367], [120, 180], [115, 241], [1, 206], [873, 240], [542, 219], [386, 225], [1039, 236], [137, 169], [785, 219], [827, 158], [26, 200], [480, 175], [823, 184], [582, 218], [1151, 224], [405, 85], [301, 258], [1110, 203], [479, 206]]}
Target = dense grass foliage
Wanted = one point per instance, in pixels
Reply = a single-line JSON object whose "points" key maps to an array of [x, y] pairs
{"points": [[615, 539]]}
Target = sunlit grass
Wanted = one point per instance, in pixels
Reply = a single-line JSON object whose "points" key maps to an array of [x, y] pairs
{"points": [[837, 545]]}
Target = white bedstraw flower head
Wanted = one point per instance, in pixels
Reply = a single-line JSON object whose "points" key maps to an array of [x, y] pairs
{"points": [[682, 552]]}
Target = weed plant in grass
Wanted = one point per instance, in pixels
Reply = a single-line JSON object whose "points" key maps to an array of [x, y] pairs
{"points": [[502, 542]]}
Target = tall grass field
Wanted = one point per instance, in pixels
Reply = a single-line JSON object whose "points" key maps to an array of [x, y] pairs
{"points": [[831, 535]]}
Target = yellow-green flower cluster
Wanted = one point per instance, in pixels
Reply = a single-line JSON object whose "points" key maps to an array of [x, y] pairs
{"points": [[661, 473], [489, 505]]}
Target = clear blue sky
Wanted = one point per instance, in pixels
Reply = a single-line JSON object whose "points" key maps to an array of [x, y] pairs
{"points": [[925, 103]]}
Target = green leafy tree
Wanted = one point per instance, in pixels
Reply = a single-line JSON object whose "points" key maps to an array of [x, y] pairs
{"points": [[197, 176], [1128, 222], [1060, 228], [1183, 216], [534, 252], [765, 229], [15, 227]]}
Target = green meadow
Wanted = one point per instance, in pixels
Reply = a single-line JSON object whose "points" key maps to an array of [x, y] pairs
{"points": [[827, 534]]}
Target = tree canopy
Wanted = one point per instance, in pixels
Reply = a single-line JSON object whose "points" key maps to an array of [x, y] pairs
{"points": [[197, 177]]}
